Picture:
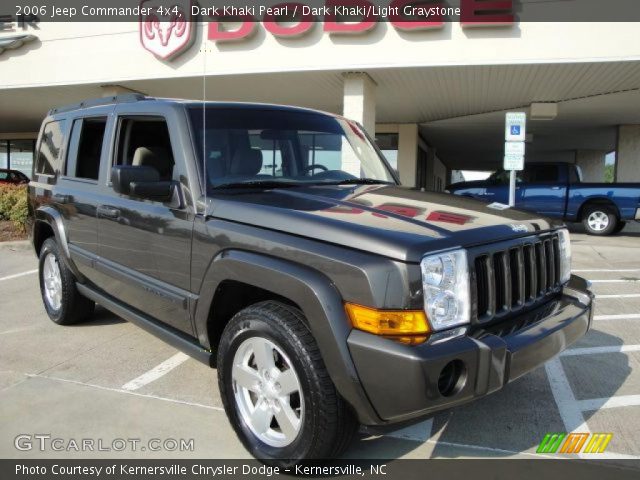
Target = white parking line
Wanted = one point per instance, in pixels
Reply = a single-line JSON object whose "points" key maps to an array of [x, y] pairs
{"points": [[595, 350], [569, 411], [128, 392], [612, 402], [16, 275], [156, 372], [622, 295], [623, 316]]}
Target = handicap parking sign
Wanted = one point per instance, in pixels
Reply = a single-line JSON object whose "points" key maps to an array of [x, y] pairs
{"points": [[515, 127]]}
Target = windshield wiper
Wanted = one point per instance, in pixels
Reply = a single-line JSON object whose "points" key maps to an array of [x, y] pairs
{"points": [[256, 184], [358, 181]]}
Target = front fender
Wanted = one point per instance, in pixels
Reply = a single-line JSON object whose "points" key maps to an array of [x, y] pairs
{"points": [[313, 293]]}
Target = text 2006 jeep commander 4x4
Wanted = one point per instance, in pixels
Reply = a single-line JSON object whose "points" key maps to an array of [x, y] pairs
{"points": [[276, 244]]}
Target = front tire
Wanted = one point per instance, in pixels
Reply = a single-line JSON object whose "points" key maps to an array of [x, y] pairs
{"points": [[62, 301], [599, 220], [276, 390]]}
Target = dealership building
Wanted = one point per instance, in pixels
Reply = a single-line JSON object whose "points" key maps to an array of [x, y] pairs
{"points": [[434, 95]]}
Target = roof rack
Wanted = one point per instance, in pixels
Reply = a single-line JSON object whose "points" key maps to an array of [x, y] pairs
{"points": [[95, 102]]}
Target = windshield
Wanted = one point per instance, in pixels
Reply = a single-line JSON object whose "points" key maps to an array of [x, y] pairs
{"points": [[259, 146]]}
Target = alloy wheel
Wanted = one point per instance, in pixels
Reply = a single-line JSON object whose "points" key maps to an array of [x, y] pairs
{"points": [[267, 392], [52, 281]]}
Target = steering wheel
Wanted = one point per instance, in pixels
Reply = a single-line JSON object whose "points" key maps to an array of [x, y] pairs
{"points": [[314, 166]]}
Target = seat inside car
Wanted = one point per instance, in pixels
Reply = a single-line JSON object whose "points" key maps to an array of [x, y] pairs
{"points": [[246, 161], [156, 157]]}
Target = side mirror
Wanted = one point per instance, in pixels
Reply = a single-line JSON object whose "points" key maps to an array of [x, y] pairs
{"points": [[158, 191], [122, 176], [141, 181]]}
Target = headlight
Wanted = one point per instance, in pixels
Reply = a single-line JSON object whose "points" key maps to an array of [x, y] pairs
{"points": [[445, 282], [565, 255]]}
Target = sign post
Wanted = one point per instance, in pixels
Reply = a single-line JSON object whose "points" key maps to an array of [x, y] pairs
{"points": [[514, 136]]}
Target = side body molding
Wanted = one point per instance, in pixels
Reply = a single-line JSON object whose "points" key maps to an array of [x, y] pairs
{"points": [[313, 293]]}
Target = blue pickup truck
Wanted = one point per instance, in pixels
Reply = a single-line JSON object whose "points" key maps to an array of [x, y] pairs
{"points": [[557, 190]]}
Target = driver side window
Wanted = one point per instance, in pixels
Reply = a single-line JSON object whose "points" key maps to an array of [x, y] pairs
{"points": [[501, 177], [144, 141]]}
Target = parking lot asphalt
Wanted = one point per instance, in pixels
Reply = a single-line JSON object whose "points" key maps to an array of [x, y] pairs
{"points": [[107, 379]]}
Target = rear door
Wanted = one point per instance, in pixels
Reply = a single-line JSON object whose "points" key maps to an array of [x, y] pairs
{"points": [[76, 192], [544, 190], [145, 245]]}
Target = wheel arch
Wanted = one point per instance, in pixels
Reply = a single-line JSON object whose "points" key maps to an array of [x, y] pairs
{"points": [[48, 223], [604, 201], [303, 287], [229, 298]]}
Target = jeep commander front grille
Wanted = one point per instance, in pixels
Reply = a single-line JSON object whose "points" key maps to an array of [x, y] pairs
{"points": [[515, 277]]}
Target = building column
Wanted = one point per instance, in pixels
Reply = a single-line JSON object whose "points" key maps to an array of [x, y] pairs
{"points": [[628, 154], [359, 101], [407, 153], [591, 162]]}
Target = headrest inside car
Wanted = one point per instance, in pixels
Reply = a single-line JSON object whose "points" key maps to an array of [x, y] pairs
{"points": [[246, 161], [156, 157]]}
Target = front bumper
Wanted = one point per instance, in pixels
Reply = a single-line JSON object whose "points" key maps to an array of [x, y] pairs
{"points": [[401, 381]]}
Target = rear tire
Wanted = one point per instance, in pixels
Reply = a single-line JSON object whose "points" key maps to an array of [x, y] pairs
{"points": [[599, 220], [62, 301], [323, 424]]}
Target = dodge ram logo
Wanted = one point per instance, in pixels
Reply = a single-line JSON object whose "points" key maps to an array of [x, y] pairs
{"points": [[166, 30]]}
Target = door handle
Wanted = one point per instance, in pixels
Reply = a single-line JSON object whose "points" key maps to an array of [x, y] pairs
{"points": [[108, 212], [555, 188], [59, 198]]}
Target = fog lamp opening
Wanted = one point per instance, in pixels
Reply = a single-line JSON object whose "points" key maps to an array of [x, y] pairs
{"points": [[452, 379]]}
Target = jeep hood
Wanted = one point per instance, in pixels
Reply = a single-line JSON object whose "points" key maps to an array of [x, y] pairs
{"points": [[396, 222]]}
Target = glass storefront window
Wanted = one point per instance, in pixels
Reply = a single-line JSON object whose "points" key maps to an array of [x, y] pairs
{"points": [[21, 155], [4, 154], [17, 155]]}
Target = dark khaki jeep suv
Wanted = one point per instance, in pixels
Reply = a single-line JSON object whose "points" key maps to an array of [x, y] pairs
{"points": [[275, 244]]}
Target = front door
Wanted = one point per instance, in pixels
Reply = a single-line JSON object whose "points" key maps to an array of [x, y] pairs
{"points": [[145, 245], [542, 191]]}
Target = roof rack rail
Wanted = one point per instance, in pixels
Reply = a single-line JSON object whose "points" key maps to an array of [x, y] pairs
{"points": [[94, 102]]}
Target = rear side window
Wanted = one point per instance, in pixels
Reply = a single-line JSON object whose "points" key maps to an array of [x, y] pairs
{"points": [[48, 161], [145, 141], [547, 173], [87, 137]]}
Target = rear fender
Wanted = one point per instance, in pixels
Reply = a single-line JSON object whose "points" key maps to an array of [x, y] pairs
{"points": [[53, 218]]}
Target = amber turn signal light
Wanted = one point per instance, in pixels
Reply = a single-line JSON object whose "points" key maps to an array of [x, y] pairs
{"points": [[406, 326]]}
